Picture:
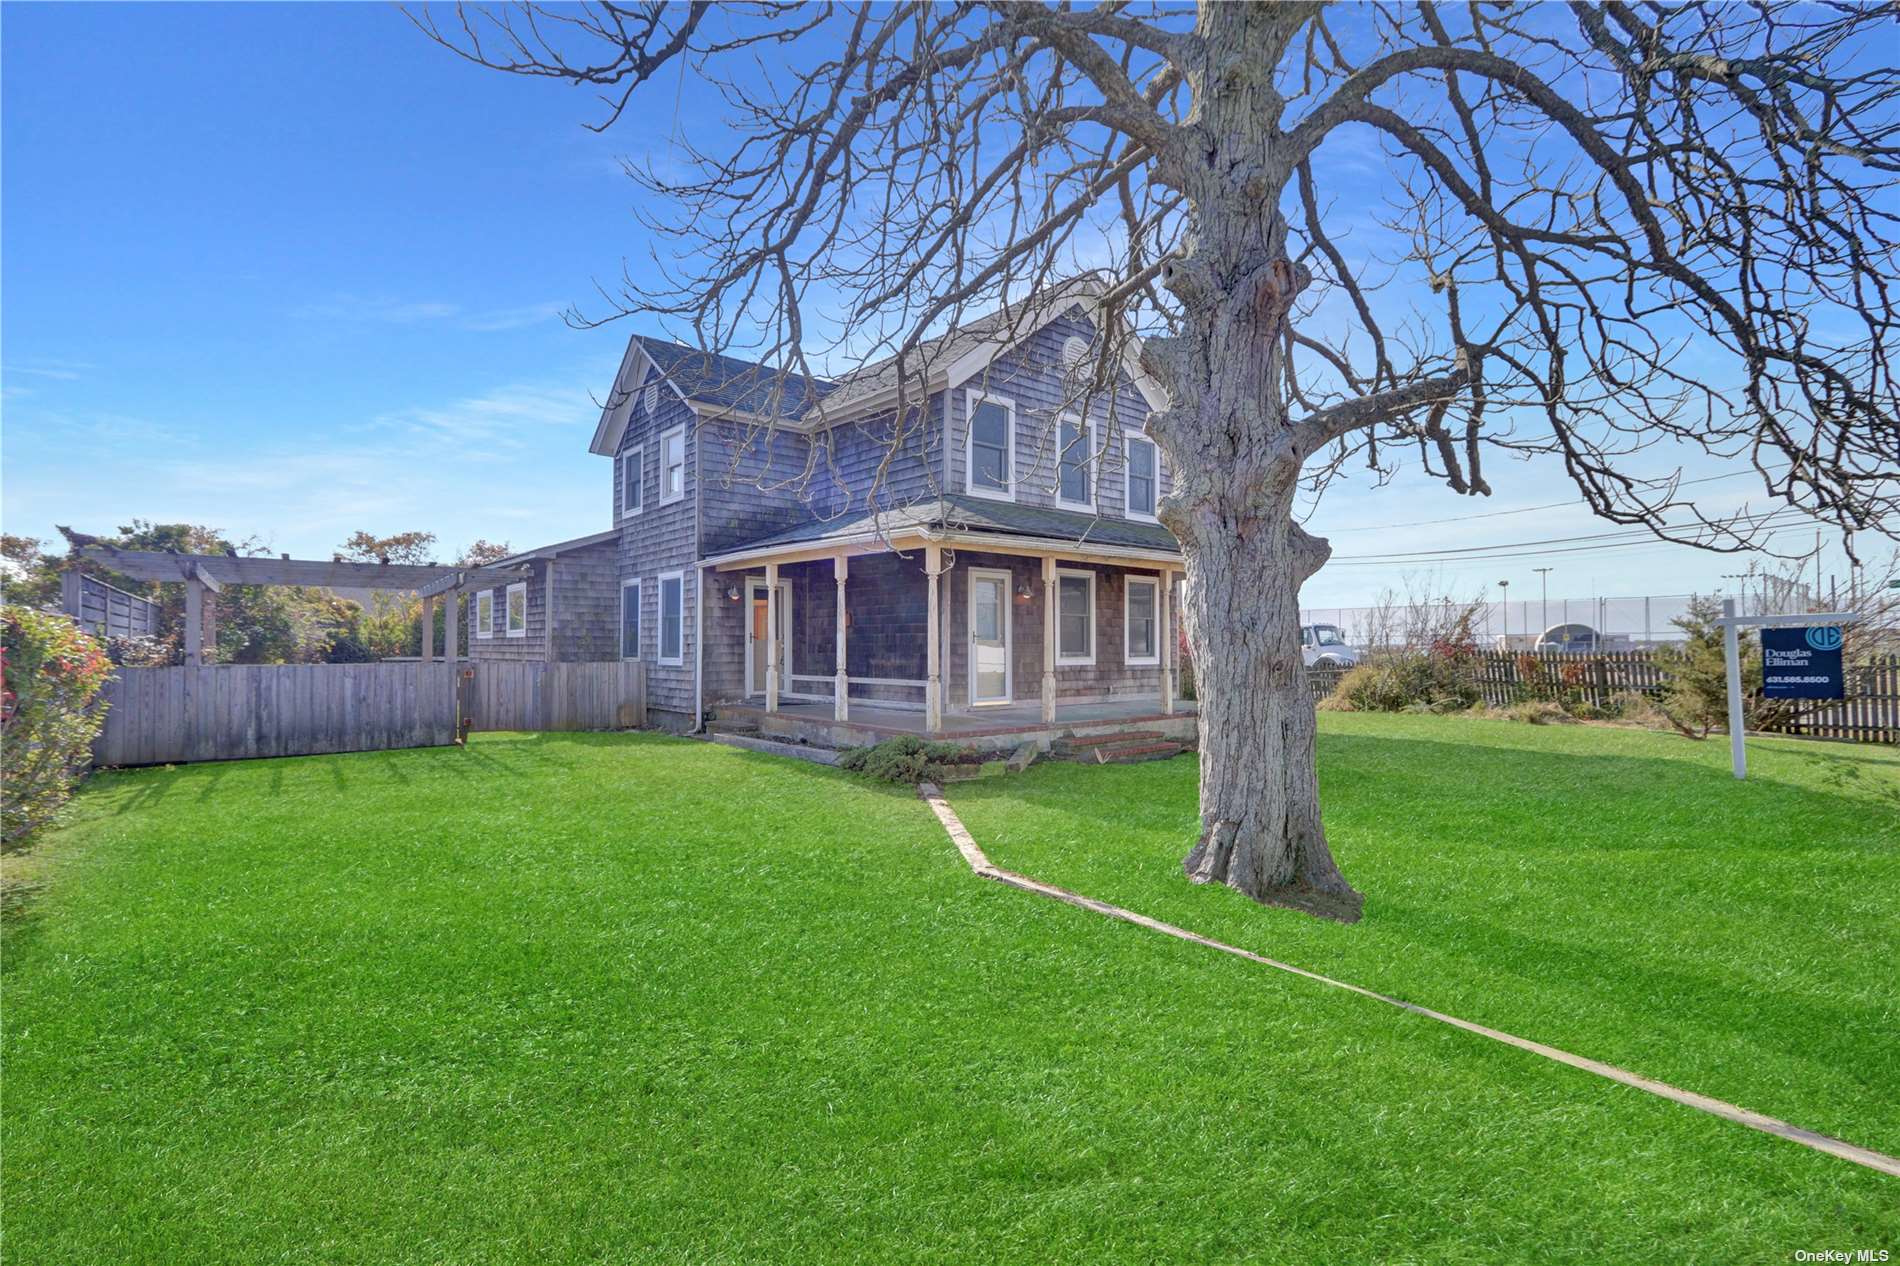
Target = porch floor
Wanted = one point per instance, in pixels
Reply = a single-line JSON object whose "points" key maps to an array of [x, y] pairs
{"points": [[1008, 719]]}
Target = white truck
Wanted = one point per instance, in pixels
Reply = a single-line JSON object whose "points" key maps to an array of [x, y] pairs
{"points": [[1325, 645]]}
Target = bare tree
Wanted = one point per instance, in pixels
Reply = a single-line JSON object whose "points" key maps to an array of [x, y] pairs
{"points": [[1350, 235]]}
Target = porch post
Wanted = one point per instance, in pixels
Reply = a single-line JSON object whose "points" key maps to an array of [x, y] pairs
{"points": [[771, 637], [841, 706], [1166, 631], [933, 642], [428, 647], [1048, 641], [194, 621]]}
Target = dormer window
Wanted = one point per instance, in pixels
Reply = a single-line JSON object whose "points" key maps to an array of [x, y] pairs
{"points": [[990, 453], [1075, 448]]}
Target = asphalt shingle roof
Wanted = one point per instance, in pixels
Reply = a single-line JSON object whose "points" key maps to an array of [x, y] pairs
{"points": [[978, 515], [732, 383]]}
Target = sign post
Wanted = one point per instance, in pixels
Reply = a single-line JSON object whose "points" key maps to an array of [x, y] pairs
{"points": [[1802, 661]]}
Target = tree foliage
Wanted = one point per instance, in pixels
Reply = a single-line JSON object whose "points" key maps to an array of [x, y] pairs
{"points": [[49, 714]]}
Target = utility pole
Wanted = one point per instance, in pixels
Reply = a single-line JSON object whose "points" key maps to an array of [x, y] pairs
{"points": [[1543, 612]]}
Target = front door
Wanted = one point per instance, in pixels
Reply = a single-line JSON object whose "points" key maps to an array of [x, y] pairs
{"points": [[989, 637], [756, 640]]}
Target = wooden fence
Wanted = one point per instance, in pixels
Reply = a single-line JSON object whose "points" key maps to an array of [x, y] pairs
{"points": [[1869, 714], [158, 716], [499, 695], [105, 611]]}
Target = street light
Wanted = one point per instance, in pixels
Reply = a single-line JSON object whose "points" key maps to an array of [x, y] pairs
{"points": [[1543, 574], [1505, 601]]}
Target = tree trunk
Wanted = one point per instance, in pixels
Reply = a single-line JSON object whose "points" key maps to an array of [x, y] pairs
{"points": [[1237, 456]]}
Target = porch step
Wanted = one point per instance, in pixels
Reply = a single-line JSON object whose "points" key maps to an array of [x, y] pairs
{"points": [[1130, 753], [1084, 742]]}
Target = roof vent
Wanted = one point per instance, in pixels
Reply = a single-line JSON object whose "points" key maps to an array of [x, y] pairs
{"points": [[1075, 351], [650, 398]]}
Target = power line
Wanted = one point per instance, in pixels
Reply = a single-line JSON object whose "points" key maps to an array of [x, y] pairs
{"points": [[1498, 514], [1606, 540]]}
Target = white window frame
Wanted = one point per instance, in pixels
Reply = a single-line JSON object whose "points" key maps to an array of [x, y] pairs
{"points": [[639, 619], [484, 613], [1130, 438], [673, 661], [636, 459], [1063, 658], [508, 610], [666, 437], [1129, 584], [1089, 467], [972, 398]]}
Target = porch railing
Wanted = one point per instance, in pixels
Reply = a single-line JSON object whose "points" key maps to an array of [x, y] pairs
{"points": [[808, 688]]}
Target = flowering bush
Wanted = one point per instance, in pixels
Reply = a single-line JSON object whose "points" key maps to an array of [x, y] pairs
{"points": [[49, 714]]}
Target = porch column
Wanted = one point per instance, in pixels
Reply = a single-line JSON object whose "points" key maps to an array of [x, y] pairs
{"points": [[1048, 641], [771, 637], [452, 637], [428, 648], [841, 706], [1165, 629], [194, 621], [933, 643]]}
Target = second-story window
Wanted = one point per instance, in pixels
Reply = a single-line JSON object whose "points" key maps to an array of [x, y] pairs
{"points": [[992, 445], [673, 465], [632, 480], [1143, 476], [1074, 484]]}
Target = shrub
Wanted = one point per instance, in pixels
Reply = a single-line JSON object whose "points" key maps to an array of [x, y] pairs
{"points": [[48, 714], [906, 759], [1404, 682], [144, 650], [1538, 712]]}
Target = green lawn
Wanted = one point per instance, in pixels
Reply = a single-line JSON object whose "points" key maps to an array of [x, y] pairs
{"points": [[568, 998]]}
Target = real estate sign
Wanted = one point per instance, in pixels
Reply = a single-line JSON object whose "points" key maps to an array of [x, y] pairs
{"points": [[1802, 663]]}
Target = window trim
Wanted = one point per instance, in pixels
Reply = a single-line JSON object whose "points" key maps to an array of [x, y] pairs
{"points": [[1129, 657], [1131, 437], [664, 437], [1089, 467], [484, 613], [671, 661], [637, 456], [508, 610], [1063, 658], [639, 618], [971, 398]]}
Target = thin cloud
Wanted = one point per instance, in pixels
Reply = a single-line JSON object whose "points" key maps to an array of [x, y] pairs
{"points": [[383, 310]]}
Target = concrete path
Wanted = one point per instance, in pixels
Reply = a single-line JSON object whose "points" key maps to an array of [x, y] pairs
{"points": [[980, 864]]}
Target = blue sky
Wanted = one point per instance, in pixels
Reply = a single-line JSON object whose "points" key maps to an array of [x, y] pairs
{"points": [[293, 270]]}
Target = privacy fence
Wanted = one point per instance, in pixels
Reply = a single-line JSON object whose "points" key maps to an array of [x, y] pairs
{"points": [[236, 711], [105, 611], [1869, 714]]}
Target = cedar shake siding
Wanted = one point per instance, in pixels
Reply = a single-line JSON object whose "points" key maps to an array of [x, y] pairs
{"points": [[584, 595], [659, 539]]}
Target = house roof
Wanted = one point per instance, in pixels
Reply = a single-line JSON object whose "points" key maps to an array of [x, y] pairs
{"points": [[969, 519], [559, 547], [728, 382]]}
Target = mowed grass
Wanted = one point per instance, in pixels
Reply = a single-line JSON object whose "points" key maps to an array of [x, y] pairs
{"points": [[624, 998], [1610, 891]]}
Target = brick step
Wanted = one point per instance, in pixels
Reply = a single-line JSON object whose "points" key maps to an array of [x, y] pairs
{"points": [[1133, 752], [1082, 742]]}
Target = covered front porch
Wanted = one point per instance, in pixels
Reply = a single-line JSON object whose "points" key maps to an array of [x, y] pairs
{"points": [[946, 633]]}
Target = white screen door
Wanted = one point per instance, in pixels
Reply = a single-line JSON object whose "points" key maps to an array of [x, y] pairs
{"points": [[756, 641], [989, 637]]}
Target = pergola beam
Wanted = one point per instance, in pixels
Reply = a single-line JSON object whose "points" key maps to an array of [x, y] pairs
{"points": [[217, 570]]}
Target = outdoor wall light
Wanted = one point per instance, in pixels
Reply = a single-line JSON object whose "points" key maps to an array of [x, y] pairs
{"points": [[1025, 593], [732, 593]]}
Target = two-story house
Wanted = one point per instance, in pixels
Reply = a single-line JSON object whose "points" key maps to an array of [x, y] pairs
{"points": [[787, 553]]}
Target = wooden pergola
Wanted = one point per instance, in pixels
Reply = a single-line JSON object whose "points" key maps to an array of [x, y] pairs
{"points": [[205, 575]]}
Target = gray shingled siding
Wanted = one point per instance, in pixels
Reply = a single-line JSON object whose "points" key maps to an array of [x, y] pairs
{"points": [[753, 486], [587, 604], [661, 538], [1110, 677], [857, 449], [1031, 375], [501, 646]]}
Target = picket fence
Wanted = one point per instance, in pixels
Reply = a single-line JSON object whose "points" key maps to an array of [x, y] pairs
{"points": [[1870, 713], [158, 716]]}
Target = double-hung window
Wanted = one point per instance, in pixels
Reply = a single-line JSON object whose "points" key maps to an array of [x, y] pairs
{"points": [[990, 452], [1141, 612], [673, 617], [1075, 617], [673, 465], [633, 480], [1144, 476], [1075, 477], [630, 619], [485, 613], [518, 609]]}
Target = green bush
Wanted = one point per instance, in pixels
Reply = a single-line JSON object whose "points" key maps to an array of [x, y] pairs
{"points": [[48, 714], [1406, 682], [907, 759]]}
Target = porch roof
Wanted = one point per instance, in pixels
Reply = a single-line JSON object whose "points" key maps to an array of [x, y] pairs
{"points": [[969, 521]]}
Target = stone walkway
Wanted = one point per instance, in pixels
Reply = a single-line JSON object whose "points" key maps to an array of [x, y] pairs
{"points": [[981, 865]]}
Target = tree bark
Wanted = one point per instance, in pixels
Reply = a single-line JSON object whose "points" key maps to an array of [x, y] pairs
{"points": [[1237, 456]]}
